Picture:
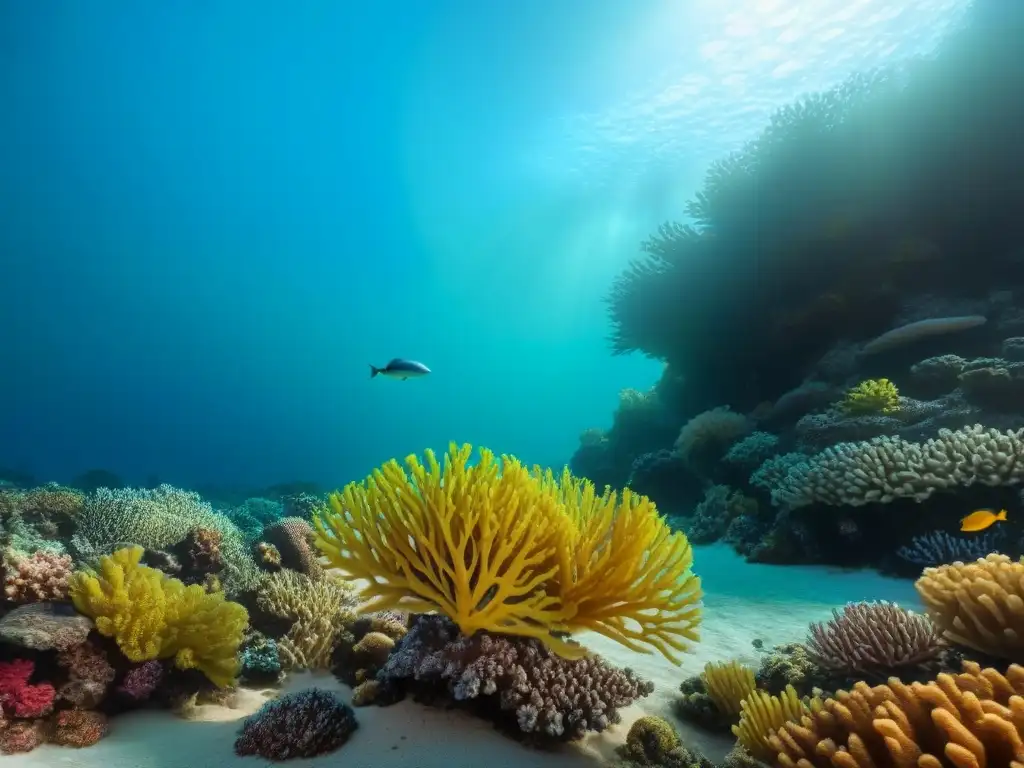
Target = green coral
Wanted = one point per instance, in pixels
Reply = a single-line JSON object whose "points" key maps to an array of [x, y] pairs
{"points": [[652, 741], [870, 397]]}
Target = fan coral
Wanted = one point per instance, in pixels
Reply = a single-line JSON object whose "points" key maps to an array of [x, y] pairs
{"points": [[37, 577], [762, 714], [872, 638], [871, 396], [517, 679], [548, 555], [152, 616], [884, 468], [318, 611], [969, 719], [19, 698], [727, 684], [45, 626], [978, 605], [79, 728], [304, 724]]}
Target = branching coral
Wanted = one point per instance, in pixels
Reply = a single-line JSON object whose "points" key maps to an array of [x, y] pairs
{"points": [[152, 616], [513, 678], [970, 719], [37, 577], [871, 396], [876, 637], [318, 611], [979, 605], [496, 547], [884, 469]]}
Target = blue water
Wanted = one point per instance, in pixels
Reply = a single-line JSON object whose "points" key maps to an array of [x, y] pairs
{"points": [[215, 215]]}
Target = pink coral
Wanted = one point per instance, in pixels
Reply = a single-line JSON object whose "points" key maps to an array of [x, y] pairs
{"points": [[37, 577], [140, 681], [17, 696], [89, 675]]}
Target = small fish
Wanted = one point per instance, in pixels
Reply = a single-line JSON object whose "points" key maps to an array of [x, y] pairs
{"points": [[982, 519], [400, 369]]}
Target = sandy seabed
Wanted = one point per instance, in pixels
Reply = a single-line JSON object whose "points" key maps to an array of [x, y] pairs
{"points": [[743, 602]]}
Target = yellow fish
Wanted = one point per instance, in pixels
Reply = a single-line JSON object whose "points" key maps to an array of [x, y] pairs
{"points": [[982, 519]]}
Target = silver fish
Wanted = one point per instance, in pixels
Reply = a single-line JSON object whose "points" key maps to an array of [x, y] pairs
{"points": [[400, 369]]}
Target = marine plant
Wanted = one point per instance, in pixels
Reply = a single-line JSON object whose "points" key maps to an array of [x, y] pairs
{"points": [[153, 616], [497, 547], [871, 396]]}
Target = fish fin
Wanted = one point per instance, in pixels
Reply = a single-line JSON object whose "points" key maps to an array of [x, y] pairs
{"points": [[1001, 515], [374, 370]]}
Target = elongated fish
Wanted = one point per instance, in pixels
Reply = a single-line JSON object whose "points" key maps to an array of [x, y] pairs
{"points": [[400, 369]]}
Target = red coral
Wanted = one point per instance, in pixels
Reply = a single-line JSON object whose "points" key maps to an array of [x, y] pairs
{"points": [[79, 728], [17, 696], [37, 577]]}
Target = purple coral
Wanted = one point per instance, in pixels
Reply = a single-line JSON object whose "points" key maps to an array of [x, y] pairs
{"points": [[304, 724], [513, 680], [140, 681]]}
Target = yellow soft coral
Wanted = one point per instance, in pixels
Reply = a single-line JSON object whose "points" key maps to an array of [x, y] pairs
{"points": [[152, 616], [728, 683], [499, 548], [872, 396]]}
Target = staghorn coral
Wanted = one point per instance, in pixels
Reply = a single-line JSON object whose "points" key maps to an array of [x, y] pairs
{"points": [[978, 605], [37, 577], [884, 469], [871, 396], [45, 627], [549, 554], [79, 728], [761, 714], [873, 638], [89, 675], [318, 610], [152, 616], [969, 719], [304, 724], [727, 684], [516, 681]]}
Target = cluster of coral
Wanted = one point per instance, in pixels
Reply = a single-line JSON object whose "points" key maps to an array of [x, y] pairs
{"points": [[879, 685], [844, 375], [472, 577]]}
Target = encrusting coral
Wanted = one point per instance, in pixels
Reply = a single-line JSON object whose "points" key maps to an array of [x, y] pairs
{"points": [[978, 605], [152, 616], [498, 548]]}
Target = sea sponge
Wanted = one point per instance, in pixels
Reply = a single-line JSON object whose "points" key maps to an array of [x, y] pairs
{"points": [[970, 719], [761, 714], [873, 637], [152, 616], [727, 684], [871, 396], [978, 605], [884, 468], [496, 547]]}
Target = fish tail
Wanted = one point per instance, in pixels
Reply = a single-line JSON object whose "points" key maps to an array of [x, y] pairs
{"points": [[374, 370], [1001, 515]]}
